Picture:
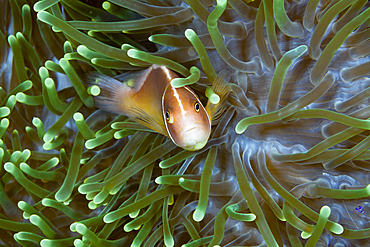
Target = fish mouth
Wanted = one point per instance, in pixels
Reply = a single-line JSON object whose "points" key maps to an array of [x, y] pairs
{"points": [[188, 130], [197, 146], [194, 139]]}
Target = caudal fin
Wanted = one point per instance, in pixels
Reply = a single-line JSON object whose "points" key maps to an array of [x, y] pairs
{"points": [[111, 92]]}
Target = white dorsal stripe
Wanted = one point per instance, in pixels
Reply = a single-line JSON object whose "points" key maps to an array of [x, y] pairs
{"points": [[167, 71]]}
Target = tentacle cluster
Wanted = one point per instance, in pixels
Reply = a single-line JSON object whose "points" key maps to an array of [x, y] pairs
{"points": [[286, 165]]}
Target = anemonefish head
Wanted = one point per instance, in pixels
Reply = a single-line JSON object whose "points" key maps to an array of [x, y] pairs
{"points": [[185, 118]]}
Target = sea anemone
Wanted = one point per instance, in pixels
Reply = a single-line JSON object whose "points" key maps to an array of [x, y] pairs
{"points": [[286, 164]]}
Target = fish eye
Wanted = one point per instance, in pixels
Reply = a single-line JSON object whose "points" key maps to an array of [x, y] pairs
{"points": [[197, 107], [168, 115]]}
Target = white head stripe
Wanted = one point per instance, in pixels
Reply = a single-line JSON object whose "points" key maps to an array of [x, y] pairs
{"points": [[179, 101]]}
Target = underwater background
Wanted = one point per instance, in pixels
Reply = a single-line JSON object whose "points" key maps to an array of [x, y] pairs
{"points": [[286, 165]]}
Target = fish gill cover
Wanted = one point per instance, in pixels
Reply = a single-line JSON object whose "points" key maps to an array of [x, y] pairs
{"points": [[287, 163]]}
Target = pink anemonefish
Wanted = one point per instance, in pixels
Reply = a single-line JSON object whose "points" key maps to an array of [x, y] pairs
{"points": [[148, 98]]}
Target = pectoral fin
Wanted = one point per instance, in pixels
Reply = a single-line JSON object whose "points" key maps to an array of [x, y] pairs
{"points": [[221, 87], [143, 118]]}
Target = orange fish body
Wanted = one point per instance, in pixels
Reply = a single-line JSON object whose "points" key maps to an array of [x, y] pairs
{"points": [[148, 98], [142, 91]]}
